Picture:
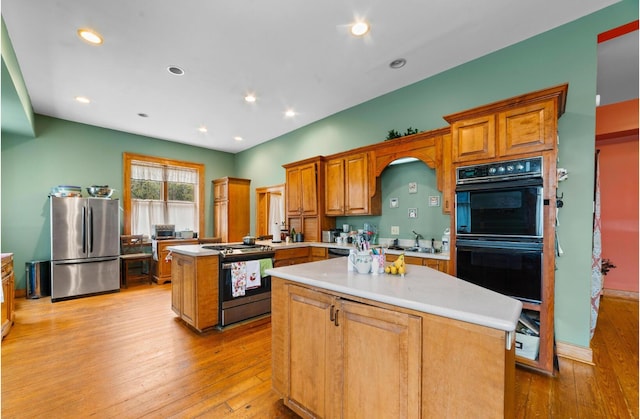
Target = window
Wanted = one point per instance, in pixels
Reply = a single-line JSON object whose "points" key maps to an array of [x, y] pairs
{"points": [[162, 191]]}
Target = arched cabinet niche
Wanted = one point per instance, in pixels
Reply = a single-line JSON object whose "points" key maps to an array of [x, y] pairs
{"points": [[433, 148]]}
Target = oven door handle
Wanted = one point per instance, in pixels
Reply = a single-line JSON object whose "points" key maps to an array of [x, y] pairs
{"points": [[498, 184], [493, 246], [229, 265]]}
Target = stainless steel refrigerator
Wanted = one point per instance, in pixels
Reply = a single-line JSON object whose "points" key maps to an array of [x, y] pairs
{"points": [[85, 246]]}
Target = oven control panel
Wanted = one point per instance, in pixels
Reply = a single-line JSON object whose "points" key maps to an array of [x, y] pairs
{"points": [[531, 167]]}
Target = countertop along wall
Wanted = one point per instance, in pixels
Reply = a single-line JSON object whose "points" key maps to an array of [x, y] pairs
{"points": [[63, 152]]}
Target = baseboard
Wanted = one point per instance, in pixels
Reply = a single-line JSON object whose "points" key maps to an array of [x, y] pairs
{"points": [[627, 295], [577, 353], [20, 293]]}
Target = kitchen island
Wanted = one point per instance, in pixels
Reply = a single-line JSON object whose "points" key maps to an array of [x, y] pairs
{"points": [[423, 345]]}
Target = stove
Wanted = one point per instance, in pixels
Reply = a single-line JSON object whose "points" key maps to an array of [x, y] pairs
{"points": [[240, 252], [254, 301]]}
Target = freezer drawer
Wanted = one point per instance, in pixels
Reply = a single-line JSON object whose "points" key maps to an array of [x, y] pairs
{"points": [[72, 279]]}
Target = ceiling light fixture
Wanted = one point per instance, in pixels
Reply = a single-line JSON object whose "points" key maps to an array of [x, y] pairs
{"points": [[82, 99], [143, 115], [202, 129], [237, 138], [359, 28], [175, 70], [250, 98], [399, 63], [290, 113], [90, 36]]}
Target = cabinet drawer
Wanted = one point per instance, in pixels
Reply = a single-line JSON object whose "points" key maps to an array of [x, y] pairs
{"points": [[295, 252], [318, 252]]}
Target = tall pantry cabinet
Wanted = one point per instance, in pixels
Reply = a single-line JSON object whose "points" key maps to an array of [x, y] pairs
{"points": [[231, 208]]}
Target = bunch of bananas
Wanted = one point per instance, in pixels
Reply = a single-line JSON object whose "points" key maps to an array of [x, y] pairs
{"points": [[397, 267]]}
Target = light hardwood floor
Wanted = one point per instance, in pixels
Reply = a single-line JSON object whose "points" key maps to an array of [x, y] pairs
{"points": [[125, 355]]}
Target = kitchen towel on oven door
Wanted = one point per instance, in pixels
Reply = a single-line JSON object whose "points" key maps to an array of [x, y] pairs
{"points": [[238, 279], [253, 274]]}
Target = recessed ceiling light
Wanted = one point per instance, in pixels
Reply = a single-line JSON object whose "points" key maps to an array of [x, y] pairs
{"points": [[202, 129], [175, 70], [399, 63], [251, 98], [82, 99], [237, 138], [359, 28], [290, 113], [91, 36], [143, 115]]}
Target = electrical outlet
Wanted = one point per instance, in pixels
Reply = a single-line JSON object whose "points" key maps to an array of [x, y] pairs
{"points": [[395, 230]]}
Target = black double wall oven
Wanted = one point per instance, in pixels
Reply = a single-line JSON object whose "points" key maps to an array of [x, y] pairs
{"points": [[499, 227]]}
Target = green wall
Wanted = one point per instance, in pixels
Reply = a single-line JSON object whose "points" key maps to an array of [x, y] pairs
{"points": [[567, 54], [65, 152], [68, 153]]}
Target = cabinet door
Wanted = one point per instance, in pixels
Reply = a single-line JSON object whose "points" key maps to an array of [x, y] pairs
{"points": [[294, 191], [309, 183], [357, 184], [220, 227], [176, 286], [220, 190], [334, 188], [474, 139], [381, 360], [188, 288], [527, 129], [4, 318], [311, 348]]}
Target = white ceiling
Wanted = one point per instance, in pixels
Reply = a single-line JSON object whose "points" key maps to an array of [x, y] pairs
{"points": [[291, 53]]}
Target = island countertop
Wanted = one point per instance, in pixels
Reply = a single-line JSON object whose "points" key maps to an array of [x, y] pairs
{"points": [[422, 289]]}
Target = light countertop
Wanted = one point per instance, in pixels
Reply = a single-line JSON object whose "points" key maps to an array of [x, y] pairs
{"points": [[422, 289], [197, 250]]}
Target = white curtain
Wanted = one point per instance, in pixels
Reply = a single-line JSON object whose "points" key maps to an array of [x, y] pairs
{"points": [[596, 263], [145, 213], [276, 214]]}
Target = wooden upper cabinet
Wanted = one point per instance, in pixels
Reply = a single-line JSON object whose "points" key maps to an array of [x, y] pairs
{"points": [[305, 198], [527, 129], [347, 185], [516, 126], [334, 189], [474, 139], [302, 195]]}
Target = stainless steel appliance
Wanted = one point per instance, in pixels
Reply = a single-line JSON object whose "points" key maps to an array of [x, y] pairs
{"points": [[85, 246], [163, 231], [499, 226], [255, 301]]}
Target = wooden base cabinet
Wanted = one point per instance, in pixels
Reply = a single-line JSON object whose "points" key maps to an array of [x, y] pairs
{"points": [[162, 266], [336, 357], [8, 291], [437, 264], [345, 361], [194, 290]]}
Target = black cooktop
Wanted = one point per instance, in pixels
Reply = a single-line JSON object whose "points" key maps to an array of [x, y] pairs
{"points": [[227, 250]]}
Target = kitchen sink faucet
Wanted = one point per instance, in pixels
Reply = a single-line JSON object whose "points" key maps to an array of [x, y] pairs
{"points": [[418, 237]]}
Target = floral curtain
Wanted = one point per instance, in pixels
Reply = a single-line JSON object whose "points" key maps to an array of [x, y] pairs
{"points": [[596, 262]]}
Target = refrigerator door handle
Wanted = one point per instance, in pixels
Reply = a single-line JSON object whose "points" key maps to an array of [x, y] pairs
{"points": [[84, 230], [90, 230]]}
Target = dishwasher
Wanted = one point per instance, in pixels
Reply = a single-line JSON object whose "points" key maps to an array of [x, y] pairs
{"points": [[334, 252]]}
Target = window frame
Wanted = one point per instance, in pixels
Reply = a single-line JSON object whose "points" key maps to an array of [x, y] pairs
{"points": [[127, 158]]}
